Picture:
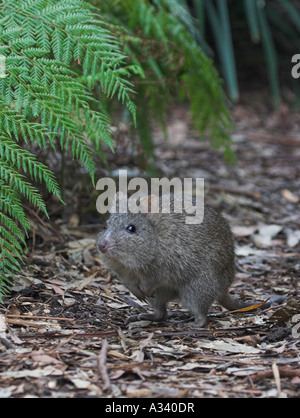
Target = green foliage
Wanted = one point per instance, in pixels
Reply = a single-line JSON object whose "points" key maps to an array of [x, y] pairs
{"points": [[59, 55], [275, 24], [47, 47], [158, 37]]}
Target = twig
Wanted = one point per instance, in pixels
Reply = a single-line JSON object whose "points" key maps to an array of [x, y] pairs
{"points": [[283, 371], [192, 387], [24, 323], [211, 332], [102, 366], [80, 335], [51, 318], [276, 377], [132, 303]]}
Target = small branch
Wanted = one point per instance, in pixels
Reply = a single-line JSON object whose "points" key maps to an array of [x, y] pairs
{"points": [[283, 371], [51, 318], [75, 334], [102, 366]]}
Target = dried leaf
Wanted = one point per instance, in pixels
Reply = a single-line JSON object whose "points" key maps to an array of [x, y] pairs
{"points": [[41, 357], [80, 383], [289, 196], [249, 308], [86, 281], [37, 373], [229, 345], [293, 237], [265, 235], [286, 312], [244, 231]]}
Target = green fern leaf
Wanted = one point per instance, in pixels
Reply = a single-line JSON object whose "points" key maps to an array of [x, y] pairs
{"points": [[52, 49]]}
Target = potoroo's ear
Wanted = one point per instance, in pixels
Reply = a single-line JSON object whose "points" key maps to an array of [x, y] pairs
{"points": [[150, 204]]}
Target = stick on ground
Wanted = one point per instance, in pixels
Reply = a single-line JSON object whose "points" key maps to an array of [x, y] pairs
{"points": [[102, 366]]}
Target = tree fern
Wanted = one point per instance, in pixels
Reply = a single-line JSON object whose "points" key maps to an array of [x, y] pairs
{"points": [[51, 49], [159, 38], [56, 52]]}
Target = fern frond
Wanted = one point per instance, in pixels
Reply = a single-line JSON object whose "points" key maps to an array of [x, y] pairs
{"points": [[158, 36], [23, 159], [11, 238], [14, 124], [55, 53], [18, 181]]}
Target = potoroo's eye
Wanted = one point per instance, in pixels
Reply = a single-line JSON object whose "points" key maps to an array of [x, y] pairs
{"points": [[131, 229]]}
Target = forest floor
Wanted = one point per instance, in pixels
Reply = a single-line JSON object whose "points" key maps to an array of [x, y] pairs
{"points": [[62, 330]]}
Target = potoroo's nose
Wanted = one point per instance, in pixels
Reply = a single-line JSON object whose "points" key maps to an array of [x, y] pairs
{"points": [[103, 246]]}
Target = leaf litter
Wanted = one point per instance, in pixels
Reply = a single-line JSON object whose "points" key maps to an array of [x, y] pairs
{"points": [[62, 330]]}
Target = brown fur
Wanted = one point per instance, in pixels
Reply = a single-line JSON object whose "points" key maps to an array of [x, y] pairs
{"points": [[166, 259]]}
